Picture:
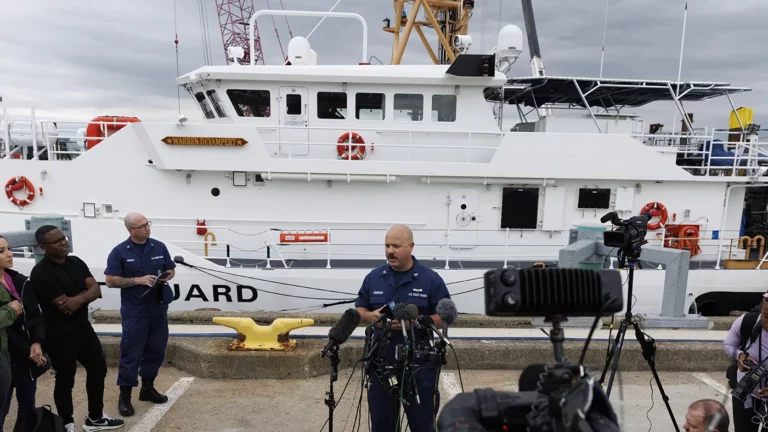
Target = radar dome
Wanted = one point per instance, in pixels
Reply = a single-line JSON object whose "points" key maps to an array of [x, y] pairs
{"points": [[509, 43], [299, 51], [313, 58]]}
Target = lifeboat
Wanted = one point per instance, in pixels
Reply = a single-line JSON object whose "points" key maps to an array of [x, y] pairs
{"points": [[104, 126]]}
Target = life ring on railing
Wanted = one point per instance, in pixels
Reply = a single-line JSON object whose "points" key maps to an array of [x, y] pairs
{"points": [[17, 184], [104, 126], [656, 209], [359, 145]]}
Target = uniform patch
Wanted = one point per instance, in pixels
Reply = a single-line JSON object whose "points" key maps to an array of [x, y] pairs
{"points": [[378, 293], [130, 260], [157, 257]]}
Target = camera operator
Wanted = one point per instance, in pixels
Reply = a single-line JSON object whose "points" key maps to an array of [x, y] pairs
{"points": [[702, 412], [751, 348], [403, 279]]}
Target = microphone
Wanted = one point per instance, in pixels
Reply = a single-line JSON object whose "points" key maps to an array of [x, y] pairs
{"points": [[446, 310], [427, 321], [386, 312], [609, 217], [341, 331], [400, 313]]}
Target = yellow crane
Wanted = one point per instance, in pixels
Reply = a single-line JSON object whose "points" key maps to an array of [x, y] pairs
{"points": [[448, 18]]}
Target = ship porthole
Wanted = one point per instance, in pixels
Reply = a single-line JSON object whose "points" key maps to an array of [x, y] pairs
{"points": [[215, 192]]}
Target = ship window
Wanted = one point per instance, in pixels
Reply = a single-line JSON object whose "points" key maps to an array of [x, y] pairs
{"points": [[250, 103], [332, 105], [594, 198], [216, 103], [444, 108], [409, 107], [293, 104], [207, 112], [369, 106], [519, 208]]}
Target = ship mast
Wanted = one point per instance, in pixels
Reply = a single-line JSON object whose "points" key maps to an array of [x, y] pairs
{"points": [[448, 18]]}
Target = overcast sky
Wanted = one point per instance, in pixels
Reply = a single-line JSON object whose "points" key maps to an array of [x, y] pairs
{"points": [[112, 57]]}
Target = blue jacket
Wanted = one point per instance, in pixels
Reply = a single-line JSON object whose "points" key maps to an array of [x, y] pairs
{"points": [[127, 260], [420, 286]]}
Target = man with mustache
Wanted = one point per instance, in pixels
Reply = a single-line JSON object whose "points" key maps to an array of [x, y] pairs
{"points": [[403, 280]]}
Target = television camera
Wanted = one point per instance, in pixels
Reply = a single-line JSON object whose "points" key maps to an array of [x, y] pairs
{"points": [[567, 398], [628, 236]]}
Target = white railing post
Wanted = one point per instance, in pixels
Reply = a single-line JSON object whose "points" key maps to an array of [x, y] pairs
{"points": [[410, 136], [506, 249], [469, 144], [33, 129], [328, 264], [447, 246], [711, 144]]}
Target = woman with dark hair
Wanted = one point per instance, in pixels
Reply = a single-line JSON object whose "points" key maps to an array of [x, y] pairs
{"points": [[22, 335]]}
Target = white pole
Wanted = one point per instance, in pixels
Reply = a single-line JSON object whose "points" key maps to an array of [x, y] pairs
{"points": [[605, 31], [680, 65]]}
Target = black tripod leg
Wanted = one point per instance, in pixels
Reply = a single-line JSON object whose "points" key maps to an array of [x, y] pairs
{"points": [[649, 354], [616, 355], [611, 351]]}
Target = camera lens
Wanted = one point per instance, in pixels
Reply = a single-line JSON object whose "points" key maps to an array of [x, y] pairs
{"points": [[508, 278], [509, 300]]}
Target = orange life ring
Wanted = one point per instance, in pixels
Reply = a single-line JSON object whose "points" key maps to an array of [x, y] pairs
{"points": [[656, 209], [343, 147], [16, 184], [104, 126]]}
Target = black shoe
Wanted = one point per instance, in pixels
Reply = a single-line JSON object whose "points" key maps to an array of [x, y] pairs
{"points": [[124, 406], [104, 423], [152, 395]]}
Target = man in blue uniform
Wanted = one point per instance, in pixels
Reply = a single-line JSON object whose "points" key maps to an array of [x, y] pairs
{"points": [[402, 279], [133, 266]]}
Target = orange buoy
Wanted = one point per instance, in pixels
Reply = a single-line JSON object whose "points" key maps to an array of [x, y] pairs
{"points": [[201, 228], [17, 184], [656, 209], [104, 126], [304, 237], [347, 151]]}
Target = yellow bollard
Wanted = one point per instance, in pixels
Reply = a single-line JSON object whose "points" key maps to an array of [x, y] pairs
{"points": [[253, 337]]}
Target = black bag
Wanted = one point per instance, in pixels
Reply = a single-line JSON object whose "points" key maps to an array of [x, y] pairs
{"points": [[42, 419], [748, 332]]}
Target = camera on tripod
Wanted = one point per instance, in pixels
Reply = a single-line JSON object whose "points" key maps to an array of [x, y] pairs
{"points": [[754, 375], [566, 397], [629, 235]]}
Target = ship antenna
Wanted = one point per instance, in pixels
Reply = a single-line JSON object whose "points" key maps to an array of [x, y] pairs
{"points": [[176, 42], [605, 31]]}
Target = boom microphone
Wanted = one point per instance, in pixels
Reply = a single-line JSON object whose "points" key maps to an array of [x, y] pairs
{"points": [[411, 312], [341, 331], [446, 310]]}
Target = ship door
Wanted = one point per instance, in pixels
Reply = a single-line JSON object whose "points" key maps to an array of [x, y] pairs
{"points": [[294, 127], [462, 219]]}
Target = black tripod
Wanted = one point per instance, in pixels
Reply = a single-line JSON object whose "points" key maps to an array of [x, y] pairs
{"points": [[647, 344], [330, 400]]}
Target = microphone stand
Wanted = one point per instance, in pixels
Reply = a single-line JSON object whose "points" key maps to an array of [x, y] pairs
{"points": [[330, 400]]}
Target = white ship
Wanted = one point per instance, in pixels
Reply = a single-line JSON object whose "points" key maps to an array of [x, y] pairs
{"points": [[267, 199]]}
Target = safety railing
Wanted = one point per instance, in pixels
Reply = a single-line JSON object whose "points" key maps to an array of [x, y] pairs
{"points": [[710, 155], [267, 248]]}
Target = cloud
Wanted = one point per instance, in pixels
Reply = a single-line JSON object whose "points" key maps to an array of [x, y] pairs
{"points": [[118, 58]]}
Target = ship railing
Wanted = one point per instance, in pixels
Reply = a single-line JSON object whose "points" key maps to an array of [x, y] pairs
{"points": [[265, 247], [718, 153]]}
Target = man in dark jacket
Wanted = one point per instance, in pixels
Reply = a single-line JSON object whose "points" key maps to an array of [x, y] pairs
{"points": [[25, 338]]}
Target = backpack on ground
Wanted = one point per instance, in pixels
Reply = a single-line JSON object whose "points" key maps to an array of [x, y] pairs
{"points": [[42, 419], [748, 333]]}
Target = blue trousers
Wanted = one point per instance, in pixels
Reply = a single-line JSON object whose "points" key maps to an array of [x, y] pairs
{"points": [[142, 347], [25, 398], [421, 417]]}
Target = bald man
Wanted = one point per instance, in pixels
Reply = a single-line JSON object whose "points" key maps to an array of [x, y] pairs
{"points": [[702, 412], [402, 280], [133, 267]]}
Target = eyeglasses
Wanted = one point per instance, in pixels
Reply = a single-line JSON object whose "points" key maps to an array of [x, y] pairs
{"points": [[58, 241], [144, 226]]}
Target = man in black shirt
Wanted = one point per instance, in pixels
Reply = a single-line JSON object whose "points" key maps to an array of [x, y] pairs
{"points": [[64, 286]]}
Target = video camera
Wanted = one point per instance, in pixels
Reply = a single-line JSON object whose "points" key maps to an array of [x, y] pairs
{"points": [[754, 375], [567, 398], [629, 235]]}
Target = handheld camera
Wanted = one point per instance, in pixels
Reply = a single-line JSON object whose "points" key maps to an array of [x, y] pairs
{"points": [[754, 375], [628, 236]]}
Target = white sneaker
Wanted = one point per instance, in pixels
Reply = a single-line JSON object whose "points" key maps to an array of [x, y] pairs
{"points": [[69, 427]]}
